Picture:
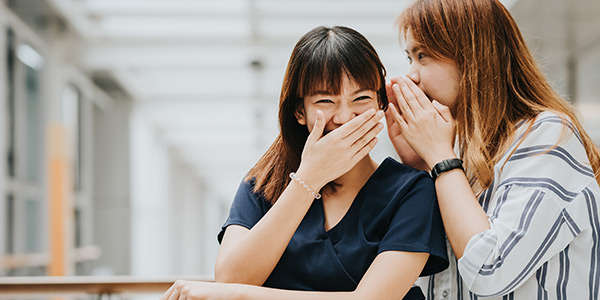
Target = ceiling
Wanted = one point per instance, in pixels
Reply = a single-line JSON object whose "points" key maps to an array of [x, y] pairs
{"points": [[206, 74]]}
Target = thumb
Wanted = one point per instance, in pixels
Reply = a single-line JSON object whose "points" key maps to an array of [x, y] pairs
{"points": [[318, 128], [443, 110]]}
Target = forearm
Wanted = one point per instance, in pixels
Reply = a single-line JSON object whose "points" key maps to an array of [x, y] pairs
{"points": [[248, 292], [251, 258], [462, 215], [390, 276]]}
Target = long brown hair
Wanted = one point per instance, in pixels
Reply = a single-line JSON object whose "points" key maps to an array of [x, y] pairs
{"points": [[500, 82], [318, 62]]}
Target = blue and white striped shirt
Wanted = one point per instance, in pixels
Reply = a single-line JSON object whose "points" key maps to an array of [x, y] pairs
{"points": [[543, 241]]}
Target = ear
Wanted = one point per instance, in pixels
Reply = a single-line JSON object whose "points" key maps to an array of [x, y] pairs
{"points": [[300, 115]]}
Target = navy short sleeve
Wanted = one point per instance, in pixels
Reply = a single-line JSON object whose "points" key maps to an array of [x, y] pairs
{"points": [[416, 225], [247, 208]]}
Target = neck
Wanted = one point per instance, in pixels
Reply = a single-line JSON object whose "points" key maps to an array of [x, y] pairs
{"points": [[358, 175]]}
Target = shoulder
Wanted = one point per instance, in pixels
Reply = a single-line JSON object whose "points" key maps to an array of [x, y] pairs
{"points": [[246, 194], [399, 185], [395, 174], [547, 128], [547, 153]]}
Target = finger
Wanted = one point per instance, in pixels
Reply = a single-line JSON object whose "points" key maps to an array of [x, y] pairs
{"points": [[176, 290], [365, 150], [175, 295], [396, 79], [390, 93], [403, 106], [443, 110], [363, 140], [168, 293], [351, 126], [420, 96], [365, 127], [389, 118], [410, 96], [318, 128], [397, 117]]}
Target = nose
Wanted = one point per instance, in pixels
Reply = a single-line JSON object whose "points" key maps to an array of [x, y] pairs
{"points": [[413, 73], [343, 114]]}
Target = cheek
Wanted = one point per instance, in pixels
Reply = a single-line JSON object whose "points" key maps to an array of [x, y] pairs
{"points": [[310, 121], [362, 107]]}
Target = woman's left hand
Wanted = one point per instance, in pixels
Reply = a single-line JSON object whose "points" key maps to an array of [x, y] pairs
{"points": [[196, 290], [427, 126]]}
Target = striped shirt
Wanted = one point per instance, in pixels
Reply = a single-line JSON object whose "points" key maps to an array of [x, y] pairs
{"points": [[543, 239]]}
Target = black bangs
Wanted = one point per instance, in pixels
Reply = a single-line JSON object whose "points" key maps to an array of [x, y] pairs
{"points": [[334, 53]]}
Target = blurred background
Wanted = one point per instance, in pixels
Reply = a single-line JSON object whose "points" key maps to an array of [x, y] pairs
{"points": [[127, 125]]}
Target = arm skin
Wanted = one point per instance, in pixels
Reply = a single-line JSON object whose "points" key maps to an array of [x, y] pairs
{"points": [[382, 281], [249, 256], [428, 127]]}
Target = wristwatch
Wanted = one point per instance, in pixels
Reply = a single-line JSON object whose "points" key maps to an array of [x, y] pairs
{"points": [[446, 165]]}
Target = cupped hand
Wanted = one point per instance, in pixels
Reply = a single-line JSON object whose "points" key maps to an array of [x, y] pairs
{"points": [[325, 158], [427, 126], [407, 155]]}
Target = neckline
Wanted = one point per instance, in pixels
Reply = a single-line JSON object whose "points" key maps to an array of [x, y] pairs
{"points": [[335, 227]]}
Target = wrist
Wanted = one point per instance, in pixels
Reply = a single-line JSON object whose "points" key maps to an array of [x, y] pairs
{"points": [[431, 162], [312, 179], [299, 181], [445, 166]]}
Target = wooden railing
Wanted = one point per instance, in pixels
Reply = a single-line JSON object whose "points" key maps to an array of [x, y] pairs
{"points": [[97, 285], [29, 260]]}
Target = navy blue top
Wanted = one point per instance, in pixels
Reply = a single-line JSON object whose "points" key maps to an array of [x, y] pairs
{"points": [[395, 210]]}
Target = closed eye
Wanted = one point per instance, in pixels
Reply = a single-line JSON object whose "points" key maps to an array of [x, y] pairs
{"points": [[324, 101], [363, 98]]}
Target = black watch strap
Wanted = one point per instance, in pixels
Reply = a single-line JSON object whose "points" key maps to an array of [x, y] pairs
{"points": [[446, 165]]}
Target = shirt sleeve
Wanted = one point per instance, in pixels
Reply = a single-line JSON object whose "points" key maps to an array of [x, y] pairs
{"points": [[416, 225], [246, 209], [533, 207]]}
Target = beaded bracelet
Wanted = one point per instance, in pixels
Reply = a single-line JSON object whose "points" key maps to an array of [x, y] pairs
{"points": [[300, 181]]}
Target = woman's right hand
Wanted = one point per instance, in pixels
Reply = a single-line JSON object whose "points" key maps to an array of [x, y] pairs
{"points": [[407, 155], [325, 158]]}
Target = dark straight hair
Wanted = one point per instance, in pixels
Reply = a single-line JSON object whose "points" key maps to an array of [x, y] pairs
{"points": [[318, 62]]}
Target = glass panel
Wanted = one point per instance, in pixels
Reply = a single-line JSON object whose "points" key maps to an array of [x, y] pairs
{"points": [[78, 227], [32, 226], [71, 116], [10, 224], [34, 121]]}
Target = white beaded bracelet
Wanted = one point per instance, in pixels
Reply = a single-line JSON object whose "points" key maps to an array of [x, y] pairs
{"points": [[300, 181]]}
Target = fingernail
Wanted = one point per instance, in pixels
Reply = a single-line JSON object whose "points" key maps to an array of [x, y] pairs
{"points": [[379, 125], [380, 114], [396, 86], [371, 111]]}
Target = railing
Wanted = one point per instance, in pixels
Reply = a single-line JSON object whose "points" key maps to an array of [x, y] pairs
{"points": [[28, 260], [97, 285]]}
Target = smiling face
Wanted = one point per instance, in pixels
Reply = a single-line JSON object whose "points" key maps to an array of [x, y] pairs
{"points": [[337, 109], [438, 78]]}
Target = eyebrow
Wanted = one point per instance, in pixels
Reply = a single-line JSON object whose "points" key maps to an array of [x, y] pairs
{"points": [[413, 50]]}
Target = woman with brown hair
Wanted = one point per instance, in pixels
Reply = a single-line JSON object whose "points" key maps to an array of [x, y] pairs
{"points": [[515, 173], [316, 217]]}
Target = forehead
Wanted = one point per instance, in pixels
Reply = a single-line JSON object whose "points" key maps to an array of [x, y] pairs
{"points": [[411, 44], [347, 85]]}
